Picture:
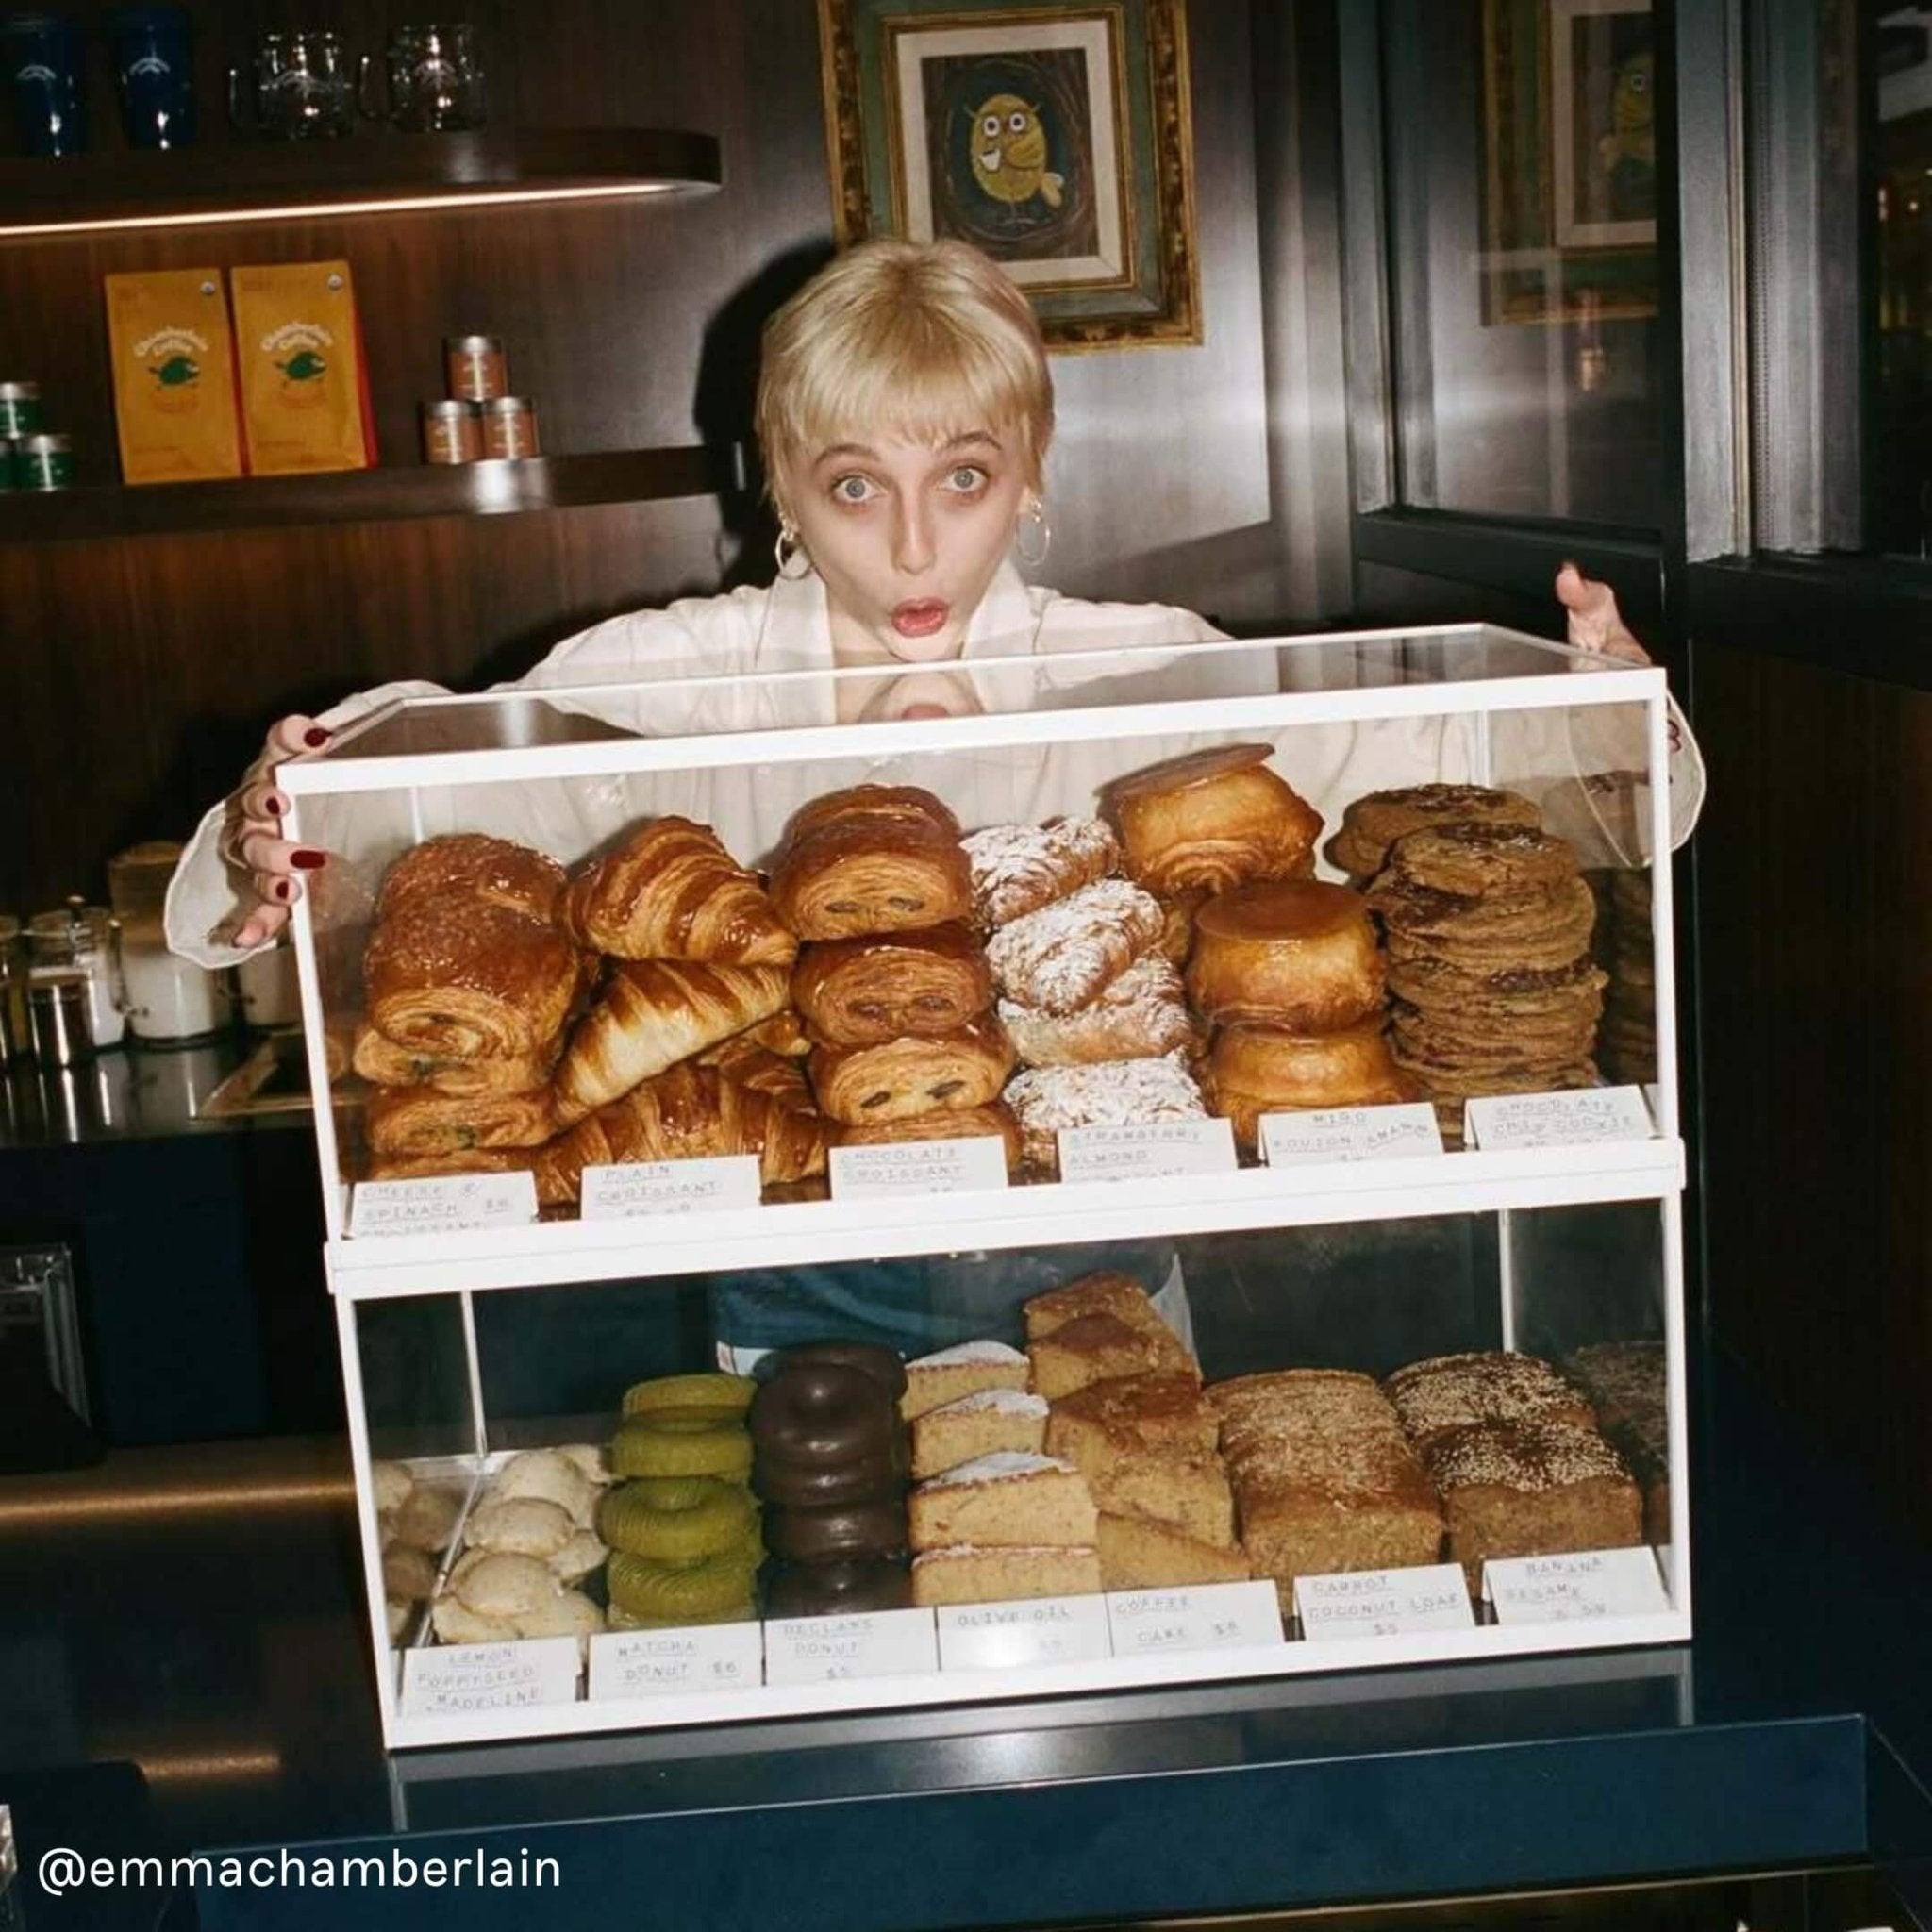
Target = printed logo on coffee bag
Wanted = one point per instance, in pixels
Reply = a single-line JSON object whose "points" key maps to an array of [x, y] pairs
{"points": [[301, 351], [174, 359]]}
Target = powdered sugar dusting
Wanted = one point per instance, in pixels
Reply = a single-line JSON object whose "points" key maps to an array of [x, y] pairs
{"points": [[1018, 869], [1061, 956], [962, 1353], [1108, 1094], [999, 1466], [998, 1401]]}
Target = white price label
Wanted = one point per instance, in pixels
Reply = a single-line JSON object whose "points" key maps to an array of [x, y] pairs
{"points": [[1204, 1615], [1040, 1630], [1154, 1151], [833, 1650], [1501, 1121], [1349, 1133], [450, 1203], [1383, 1602], [1587, 1587], [662, 1663], [670, 1187], [447, 1681], [918, 1167]]}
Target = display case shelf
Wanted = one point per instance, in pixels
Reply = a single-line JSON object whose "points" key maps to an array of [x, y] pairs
{"points": [[818, 1232], [365, 174], [365, 496]]}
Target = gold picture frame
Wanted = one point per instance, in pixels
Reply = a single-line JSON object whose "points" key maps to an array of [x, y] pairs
{"points": [[1059, 139], [1569, 168]]}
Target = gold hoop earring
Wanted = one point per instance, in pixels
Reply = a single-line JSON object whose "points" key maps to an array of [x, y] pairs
{"points": [[790, 553], [1033, 524]]}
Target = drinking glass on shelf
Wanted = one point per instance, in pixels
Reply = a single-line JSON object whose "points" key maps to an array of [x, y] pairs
{"points": [[434, 81], [46, 62], [154, 73], [296, 89]]}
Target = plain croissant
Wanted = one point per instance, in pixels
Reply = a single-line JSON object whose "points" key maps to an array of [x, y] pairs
{"points": [[652, 1014], [672, 891]]}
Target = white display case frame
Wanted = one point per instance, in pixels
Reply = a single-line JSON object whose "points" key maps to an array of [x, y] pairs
{"points": [[1471, 1181]]}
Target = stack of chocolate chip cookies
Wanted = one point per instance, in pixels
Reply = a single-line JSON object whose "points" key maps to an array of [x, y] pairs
{"points": [[1493, 988]]}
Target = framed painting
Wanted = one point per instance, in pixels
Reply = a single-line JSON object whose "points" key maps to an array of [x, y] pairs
{"points": [[1056, 138], [1569, 161]]}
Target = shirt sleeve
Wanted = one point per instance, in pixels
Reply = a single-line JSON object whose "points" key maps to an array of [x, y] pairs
{"points": [[206, 895]]}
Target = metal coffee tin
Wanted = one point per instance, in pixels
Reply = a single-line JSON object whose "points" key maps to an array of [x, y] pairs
{"points": [[57, 1017], [452, 432], [44, 462], [20, 409], [510, 427]]}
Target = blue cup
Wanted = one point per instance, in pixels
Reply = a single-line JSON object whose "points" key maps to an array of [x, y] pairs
{"points": [[46, 63], [153, 71]]}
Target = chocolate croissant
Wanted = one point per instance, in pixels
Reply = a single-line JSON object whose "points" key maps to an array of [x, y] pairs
{"points": [[383, 1063], [860, 1085], [466, 979], [687, 1112], [652, 1014], [872, 859], [864, 992], [414, 1121], [672, 891]]}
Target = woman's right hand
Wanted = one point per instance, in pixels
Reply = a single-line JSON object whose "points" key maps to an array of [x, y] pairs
{"points": [[269, 865]]}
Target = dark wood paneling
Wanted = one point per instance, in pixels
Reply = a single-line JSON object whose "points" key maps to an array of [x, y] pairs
{"points": [[141, 672], [1815, 922]]}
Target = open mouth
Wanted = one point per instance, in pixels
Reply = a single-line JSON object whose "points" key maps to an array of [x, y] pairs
{"points": [[920, 619]]}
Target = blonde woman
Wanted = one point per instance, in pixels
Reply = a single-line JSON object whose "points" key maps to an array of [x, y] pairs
{"points": [[905, 411]]}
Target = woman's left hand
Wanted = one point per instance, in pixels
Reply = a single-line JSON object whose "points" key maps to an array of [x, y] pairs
{"points": [[1595, 622]]}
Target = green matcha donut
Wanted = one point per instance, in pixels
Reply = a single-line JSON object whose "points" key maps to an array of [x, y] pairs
{"points": [[684, 1422], [732, 1392], [638, 1449], [744, 1612], [642, 1589], [681, 1518]]}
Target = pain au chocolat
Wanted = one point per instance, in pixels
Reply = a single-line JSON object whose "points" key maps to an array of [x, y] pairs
{"points": [[864, 992], [1213, 819], [900, 1077], [872, 859], [1300, 955]]}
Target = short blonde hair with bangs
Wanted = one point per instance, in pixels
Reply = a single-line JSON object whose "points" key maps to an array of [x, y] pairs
{"points": [[923, 339]]}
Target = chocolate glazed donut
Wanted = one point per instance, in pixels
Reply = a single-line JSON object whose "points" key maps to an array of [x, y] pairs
{"points": [[827, 1486], [812, 1413], [870, 1358], [845, 1533], [830, 1589]]}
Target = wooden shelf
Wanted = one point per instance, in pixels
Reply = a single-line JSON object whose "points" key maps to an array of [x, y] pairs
{"points": [[360, 496], [361, 173]]}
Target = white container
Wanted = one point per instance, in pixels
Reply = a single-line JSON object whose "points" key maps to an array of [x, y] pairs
{"points": [[271, 992], [1544, 1248], [171, 1001]]}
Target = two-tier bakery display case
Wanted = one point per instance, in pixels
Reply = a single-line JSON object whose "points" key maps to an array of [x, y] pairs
{"points": [[1039, 1174]]}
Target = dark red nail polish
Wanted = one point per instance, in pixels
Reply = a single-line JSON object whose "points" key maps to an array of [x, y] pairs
{"points": [[310, 861], [283, 888], [315, 735], [276, 806]]}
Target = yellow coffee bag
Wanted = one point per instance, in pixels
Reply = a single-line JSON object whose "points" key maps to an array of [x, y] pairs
{"points": [[304, 396], [174, 364]]}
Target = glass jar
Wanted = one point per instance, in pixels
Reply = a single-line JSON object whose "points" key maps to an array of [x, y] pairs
{"points": [[510, 427], [84, 939], [477, 368]]}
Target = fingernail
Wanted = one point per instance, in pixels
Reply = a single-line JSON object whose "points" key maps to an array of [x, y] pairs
{"points": [[277, 804], [310, 861], [315, 735], [284, 891]]}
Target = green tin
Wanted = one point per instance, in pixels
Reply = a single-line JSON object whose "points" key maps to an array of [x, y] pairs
{"points": [[20, 409], [44, 463], [10, 464]]}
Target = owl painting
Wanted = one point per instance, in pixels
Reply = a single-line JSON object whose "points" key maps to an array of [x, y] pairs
{"points": [[1009, 152]]}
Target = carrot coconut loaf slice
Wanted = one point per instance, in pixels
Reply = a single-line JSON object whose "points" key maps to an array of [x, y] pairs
{"points": [[1324, 1478]]}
